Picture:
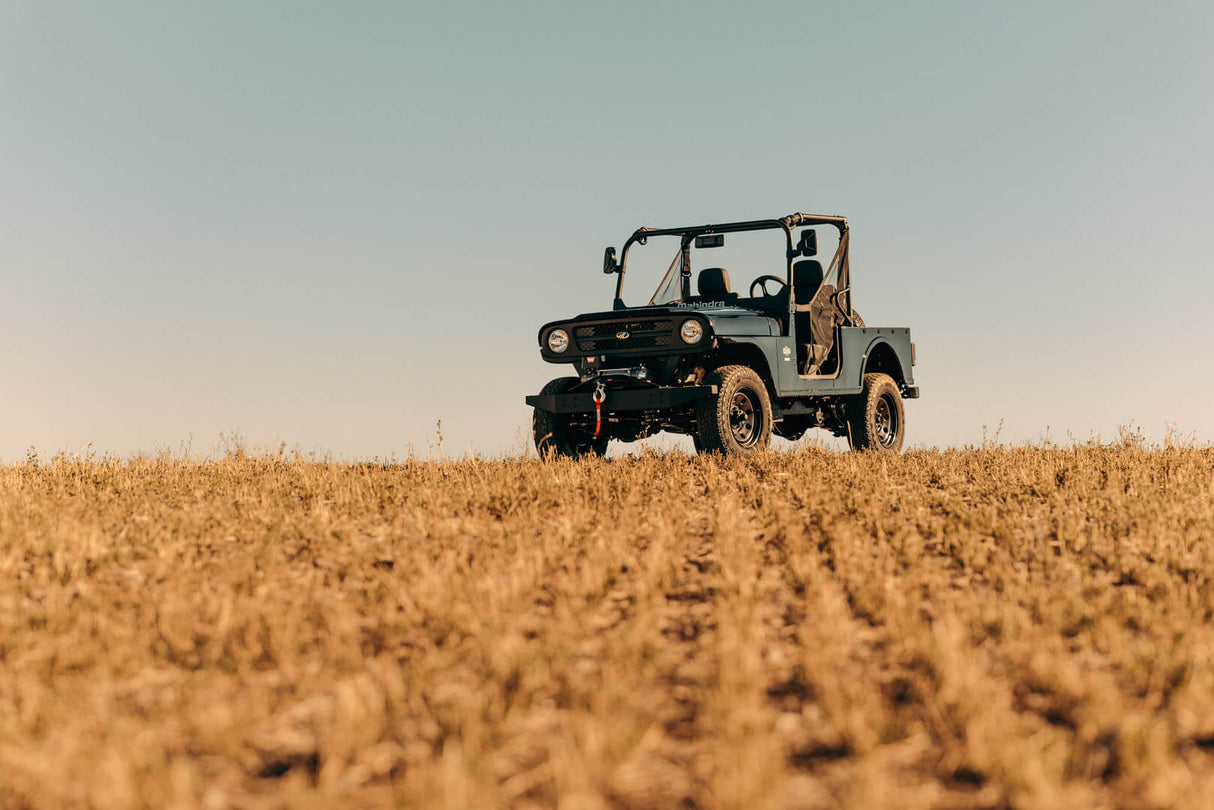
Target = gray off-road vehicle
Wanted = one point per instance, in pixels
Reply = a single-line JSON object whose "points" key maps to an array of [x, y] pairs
{"points": [[728, 370]]}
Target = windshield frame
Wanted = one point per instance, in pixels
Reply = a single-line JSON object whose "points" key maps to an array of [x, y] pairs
{"points": [[787, 224]]}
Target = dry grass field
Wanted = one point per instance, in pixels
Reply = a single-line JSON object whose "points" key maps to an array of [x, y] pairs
{"points": [[983, 628]]}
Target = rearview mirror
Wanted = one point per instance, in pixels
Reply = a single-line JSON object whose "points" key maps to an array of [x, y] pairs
{"points": [[808, 246], [710, 240], [610, 265]]}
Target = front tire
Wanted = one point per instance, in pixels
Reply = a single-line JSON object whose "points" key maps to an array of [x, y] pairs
{"points": [[553, 434], [737, 420], [876, 417]]}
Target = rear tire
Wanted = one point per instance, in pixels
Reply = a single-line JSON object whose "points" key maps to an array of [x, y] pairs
{"points": [[552, 433], [737, 420], [876, 417]]}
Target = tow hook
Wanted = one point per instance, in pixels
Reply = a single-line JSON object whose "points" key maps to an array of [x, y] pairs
{"points": [[600, 394]]}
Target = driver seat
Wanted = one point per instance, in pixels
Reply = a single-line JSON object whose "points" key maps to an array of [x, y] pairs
{"points": [[806, 281], [815, 321]]}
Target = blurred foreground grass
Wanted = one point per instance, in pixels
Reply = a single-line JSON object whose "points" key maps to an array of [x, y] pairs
{"points": [[1021, 627]]}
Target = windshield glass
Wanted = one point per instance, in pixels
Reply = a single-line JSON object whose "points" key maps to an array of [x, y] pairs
{"points": [[744, 257], [670, 288]]}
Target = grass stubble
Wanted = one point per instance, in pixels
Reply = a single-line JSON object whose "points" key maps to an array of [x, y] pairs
{"points": [[997, 627]]}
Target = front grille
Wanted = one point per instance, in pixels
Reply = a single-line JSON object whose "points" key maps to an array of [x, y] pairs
{"points": [[603, 337]]}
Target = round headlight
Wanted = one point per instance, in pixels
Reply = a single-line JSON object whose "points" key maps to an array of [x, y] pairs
{"points": [[558, 340], [691, 331]]}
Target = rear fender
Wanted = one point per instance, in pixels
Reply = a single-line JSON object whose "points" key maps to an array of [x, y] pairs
{"points": [[892, 357]]}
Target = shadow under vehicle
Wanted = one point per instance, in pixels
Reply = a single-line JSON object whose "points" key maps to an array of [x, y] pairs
{"points": [[726, 369]]}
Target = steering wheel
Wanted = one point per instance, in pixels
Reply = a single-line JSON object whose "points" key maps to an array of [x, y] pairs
{"points": [[761, 283]]}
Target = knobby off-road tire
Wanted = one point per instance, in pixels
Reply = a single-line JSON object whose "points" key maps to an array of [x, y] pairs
{"points": [[737, 420], [876, 418], [552, 433]]}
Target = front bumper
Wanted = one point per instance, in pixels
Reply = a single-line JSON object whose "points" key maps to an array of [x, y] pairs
{"points": [[634, 399]]}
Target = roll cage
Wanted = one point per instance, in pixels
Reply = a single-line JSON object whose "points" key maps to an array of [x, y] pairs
{"points": [[786, 224]]}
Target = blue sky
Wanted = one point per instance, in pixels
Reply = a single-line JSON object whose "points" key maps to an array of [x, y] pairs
{"points": [[333, 225]]}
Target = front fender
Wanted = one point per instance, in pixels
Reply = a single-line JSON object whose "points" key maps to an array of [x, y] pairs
{"points": [[758, 353]]}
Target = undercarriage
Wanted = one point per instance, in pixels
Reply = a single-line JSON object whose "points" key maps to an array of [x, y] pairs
{"points": [[630, 410]]}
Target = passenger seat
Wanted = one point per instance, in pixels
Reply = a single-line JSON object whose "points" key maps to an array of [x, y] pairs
{"points": [[713, 285]]}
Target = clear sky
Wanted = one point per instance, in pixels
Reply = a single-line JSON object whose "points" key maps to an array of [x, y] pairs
{"points": [[333, 224]]}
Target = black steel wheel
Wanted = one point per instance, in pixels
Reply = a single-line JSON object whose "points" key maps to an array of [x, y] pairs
{"points": [[876, 418], [737, 420], [886, 421], [555, 436], [743, 422]]}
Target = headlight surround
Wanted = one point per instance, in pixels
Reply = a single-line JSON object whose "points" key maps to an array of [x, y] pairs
{"points": [[691, 331], [558, 341]]}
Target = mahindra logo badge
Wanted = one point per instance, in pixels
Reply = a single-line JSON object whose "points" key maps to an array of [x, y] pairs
{"points": [[622, 336]]}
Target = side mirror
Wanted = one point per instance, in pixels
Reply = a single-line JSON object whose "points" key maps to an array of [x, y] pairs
{"points": [[610, 265], [808, 246]]}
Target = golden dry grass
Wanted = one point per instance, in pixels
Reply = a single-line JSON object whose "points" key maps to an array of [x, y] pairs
{"points": [[1021, 627]]}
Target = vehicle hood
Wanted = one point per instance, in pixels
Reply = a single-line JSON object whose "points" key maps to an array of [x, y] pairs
{"points": [[724, 320]]}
